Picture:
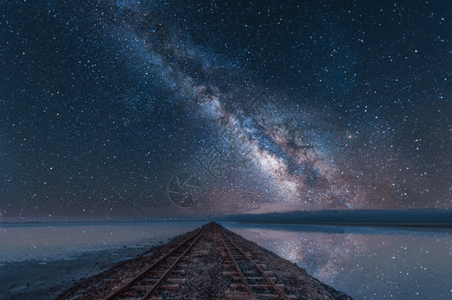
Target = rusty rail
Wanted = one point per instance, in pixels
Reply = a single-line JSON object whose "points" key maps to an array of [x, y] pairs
{"points": [[270, 282], [129, 286], [239, 272]]}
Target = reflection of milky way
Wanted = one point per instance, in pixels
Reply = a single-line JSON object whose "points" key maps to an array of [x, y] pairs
{"points": [[300, 158], [363, 261]]}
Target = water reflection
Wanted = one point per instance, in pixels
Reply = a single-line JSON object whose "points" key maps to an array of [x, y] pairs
{"points": [[69, 240], [364, 262]]}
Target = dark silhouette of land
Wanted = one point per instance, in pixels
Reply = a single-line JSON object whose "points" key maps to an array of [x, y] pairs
{"points": [[406, 218]]}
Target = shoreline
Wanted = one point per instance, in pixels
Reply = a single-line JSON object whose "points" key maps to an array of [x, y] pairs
{"points": [[366, 224]]}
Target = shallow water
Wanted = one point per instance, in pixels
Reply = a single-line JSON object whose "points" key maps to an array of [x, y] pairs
{"points": [[39, 261], [47, 242], [364, 262]]}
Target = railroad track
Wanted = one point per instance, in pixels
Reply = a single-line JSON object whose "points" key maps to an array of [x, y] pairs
{"points": [[254, 280], [163, 278], [209, 263], [164, 274]]}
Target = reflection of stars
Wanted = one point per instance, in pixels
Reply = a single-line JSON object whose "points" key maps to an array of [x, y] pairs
{"points": [[290, 249]]}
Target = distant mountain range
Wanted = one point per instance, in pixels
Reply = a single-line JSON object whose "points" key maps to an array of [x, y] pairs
{"points": [[416, 217]]}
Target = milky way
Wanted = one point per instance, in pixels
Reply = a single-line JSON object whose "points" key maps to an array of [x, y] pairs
{"points": [[128, 108]]}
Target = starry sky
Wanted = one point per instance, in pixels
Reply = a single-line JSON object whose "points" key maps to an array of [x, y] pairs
{"points": [[141, 109]]}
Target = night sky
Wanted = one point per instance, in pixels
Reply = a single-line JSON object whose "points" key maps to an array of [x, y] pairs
{"points": [[116, 109]]}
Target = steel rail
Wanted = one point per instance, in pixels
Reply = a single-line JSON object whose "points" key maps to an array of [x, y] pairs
{"points": [[247, 286], [272, 284], [163, 277], [145, 272]]}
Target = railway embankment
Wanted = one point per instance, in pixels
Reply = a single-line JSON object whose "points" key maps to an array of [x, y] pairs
{"points": [[208, 263]]}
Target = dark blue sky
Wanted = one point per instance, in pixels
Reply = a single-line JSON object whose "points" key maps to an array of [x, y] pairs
{"points": [[116, 109]]}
